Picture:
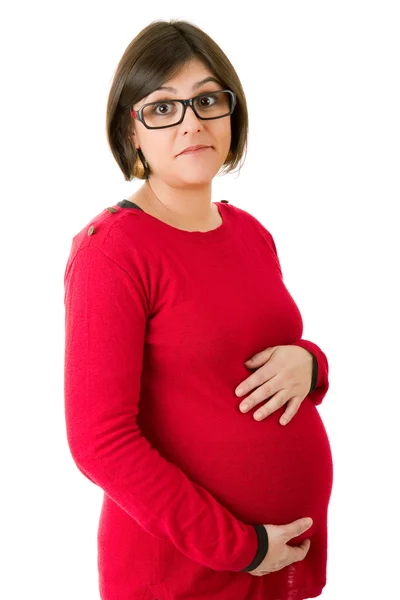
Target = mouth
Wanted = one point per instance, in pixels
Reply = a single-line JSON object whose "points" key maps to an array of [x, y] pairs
{"points": [[198, 151]]}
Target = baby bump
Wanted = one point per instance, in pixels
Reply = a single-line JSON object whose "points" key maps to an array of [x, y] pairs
{"points": [[260, 470]]}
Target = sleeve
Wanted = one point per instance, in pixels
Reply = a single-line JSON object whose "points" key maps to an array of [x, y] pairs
{"points": [[320, 372], [320, 378], [105, 321]]}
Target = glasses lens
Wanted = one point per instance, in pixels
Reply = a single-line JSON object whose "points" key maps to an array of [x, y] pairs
{"points": [[211, 105]]}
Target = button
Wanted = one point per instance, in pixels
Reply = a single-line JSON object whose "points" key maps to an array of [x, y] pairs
{"points": [[111, 209], [90, 230], [226, 201]]}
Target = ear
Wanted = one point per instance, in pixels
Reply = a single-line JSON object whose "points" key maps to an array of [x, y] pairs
{"points": [[132, 134], [133, 140]]}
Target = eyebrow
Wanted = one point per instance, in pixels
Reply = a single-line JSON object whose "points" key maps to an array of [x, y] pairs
{"points": [[195, 86]]}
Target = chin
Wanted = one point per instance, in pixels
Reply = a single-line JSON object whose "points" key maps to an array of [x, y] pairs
{"points": [[199, 180], [198, 174]]}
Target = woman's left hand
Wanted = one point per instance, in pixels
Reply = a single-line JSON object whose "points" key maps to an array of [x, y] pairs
{"points": [[283, 375]]}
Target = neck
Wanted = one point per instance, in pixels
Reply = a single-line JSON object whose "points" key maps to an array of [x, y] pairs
{"points": [[191, 206]]}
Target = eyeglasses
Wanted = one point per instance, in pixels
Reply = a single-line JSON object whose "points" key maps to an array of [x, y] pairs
{"points": [[167, 113]]}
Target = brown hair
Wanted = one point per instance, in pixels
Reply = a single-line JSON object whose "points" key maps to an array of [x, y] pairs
{"points": [[156, 54]]}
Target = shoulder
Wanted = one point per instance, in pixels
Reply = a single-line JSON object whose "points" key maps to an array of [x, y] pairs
{"points": [[252, 225], [246, 216], [114, 232]]}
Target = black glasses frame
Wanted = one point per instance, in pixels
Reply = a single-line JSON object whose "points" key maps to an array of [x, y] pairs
{"points": [[138, 114]]}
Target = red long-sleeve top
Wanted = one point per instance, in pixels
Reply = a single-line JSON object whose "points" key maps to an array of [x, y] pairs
{"points": [[158, 324]]}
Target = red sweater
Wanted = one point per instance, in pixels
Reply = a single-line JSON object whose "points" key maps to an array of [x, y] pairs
{"points": [[158, 325]]}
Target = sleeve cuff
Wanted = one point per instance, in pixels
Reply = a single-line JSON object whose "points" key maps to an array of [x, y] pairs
{"points": [[314, 378], [320, 377], [262, 548]]}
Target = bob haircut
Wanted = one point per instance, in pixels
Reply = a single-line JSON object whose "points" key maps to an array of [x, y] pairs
{"points": [[156, 54]]}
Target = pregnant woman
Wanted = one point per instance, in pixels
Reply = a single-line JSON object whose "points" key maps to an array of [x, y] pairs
{"points": [[167, 295]]}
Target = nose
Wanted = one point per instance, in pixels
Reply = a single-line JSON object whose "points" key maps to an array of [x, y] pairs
{"points": [[190, 119]]}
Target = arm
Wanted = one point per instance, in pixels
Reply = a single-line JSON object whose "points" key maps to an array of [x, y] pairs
{"points": [[106, 310]]}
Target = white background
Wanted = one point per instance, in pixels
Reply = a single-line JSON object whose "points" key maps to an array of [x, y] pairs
{"points": [[322, 174]]}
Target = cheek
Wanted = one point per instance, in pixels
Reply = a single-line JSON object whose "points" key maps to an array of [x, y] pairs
{"points": [[222, 135], [160, 150]]}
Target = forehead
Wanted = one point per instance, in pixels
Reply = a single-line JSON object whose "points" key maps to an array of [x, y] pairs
{"points": [[189, 81]]}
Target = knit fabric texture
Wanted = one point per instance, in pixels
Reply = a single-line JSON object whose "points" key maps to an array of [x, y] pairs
{"points": [[158, 325]]}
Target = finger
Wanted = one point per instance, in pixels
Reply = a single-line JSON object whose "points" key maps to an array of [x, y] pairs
{"points": [[260, 358], [277, 401], [305, 545], [298, 553], [302, 549], [293, 406], [297, 527], [264, 391], [257, 380], [267, 410]]}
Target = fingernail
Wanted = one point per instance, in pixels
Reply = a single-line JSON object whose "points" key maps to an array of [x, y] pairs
{"points": [[239, 392]]}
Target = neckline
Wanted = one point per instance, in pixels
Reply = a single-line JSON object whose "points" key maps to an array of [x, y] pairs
{"points": [[221, 232]]}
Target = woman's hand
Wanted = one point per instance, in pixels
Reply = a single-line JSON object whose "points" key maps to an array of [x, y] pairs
{"points": [[283, 376], [279, 553]]}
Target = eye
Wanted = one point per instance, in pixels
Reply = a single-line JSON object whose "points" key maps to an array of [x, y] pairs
{"points": [[206, 100], [161, 106]]}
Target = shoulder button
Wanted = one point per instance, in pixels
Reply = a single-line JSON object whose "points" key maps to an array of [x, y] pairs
{"points": [[111, 209], [90, 230], [226, 201]]}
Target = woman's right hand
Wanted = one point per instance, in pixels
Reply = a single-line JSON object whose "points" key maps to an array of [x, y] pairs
{"points": [[279, 554]]}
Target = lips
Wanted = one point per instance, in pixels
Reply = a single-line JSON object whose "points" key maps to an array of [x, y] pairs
{"points": [[195, 149]]}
